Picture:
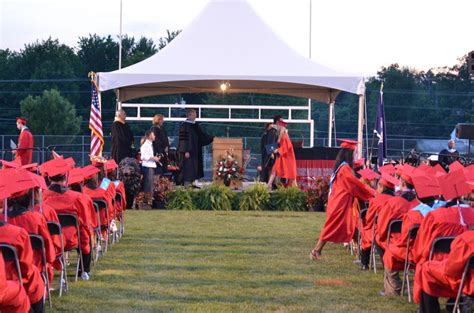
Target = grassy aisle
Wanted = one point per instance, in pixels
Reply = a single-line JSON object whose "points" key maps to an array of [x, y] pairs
{"points": [[226, 261]]}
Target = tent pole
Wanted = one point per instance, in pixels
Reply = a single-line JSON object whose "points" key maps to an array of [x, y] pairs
{"points": [[330, 122], [360, 129]]}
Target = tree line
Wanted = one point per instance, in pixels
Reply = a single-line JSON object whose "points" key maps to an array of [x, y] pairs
{"points": [[47, 81]]}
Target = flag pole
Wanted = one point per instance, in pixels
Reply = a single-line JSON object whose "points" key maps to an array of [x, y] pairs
{"points": [[311, 135], [120, 38]]}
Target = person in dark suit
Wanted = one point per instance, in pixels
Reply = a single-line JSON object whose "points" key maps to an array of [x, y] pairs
{"points": [[122, 137], [448, 156], [270, 136], [161, 144]]}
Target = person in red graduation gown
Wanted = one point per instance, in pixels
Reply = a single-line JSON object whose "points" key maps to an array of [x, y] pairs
{"points": [[75, 182], [427, 190], [111, 171], [285, 163], [32, 280], [67, 201], [344, 188], [452, 220], [25, 143], [385, 191], [442, 278], [98, 192], [34, 223], [13, 298]]}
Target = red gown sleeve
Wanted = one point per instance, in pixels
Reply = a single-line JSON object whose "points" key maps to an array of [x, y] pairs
{"points": [[354, 186]]}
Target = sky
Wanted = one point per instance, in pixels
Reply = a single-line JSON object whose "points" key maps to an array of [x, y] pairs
{"points": [[349, 36]]}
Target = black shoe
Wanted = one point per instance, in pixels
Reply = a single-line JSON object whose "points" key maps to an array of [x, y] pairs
{"points": [[364, 267]]}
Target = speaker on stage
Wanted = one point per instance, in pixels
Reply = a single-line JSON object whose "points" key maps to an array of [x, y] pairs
{"points": [[465, 131]]}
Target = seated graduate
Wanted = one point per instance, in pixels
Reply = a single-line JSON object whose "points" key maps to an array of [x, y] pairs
{"points": [[344, 188], [442, 278], [18, 237], [13, 298], [64, 200], [385, 191], [111, 171], [452, 220], [21, 214], [394, 255], [98, 192], [75, 182]]}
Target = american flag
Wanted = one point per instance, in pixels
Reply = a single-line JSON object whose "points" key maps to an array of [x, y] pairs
{"points": [[95, 123]]}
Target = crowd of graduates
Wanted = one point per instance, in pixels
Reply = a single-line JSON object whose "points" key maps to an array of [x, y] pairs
{"points": [[410, 219], [54, 215]]}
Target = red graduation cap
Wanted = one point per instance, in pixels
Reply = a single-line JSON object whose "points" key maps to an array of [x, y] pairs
{"points": [[348, 144], [76, 175], [389, 181], [407, 173], [368, 174], [455, 166], [8, 164], [21, 120], [55, 167], [387, 169], [454, 185], [70, 162], [282, 123], [33, 167], [110, 166], [89, 171], [423, 167], [426, 186], [436, 170], [20, 181]]}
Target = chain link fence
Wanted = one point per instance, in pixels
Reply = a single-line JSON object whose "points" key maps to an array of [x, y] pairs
{"points": [[77, 147]]}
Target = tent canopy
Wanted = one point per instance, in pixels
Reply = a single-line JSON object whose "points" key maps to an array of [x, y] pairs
{"points": [[229, 43]]}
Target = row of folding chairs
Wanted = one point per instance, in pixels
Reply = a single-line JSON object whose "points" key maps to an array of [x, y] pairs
{"points": [[55, 229], [439, 245]]}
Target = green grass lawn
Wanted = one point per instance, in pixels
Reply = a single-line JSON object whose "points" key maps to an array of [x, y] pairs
{"points": [[203, 261]]}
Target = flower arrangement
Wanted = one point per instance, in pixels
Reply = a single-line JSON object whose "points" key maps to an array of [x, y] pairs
{"points": [[228, 168], [162, 188], [317, 193]]}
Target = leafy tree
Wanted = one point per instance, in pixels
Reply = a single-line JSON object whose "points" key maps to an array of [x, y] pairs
{"points": [[51, 114]]}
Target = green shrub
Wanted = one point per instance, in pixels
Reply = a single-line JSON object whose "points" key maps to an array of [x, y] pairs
{"points": [[288, 199], [254, 198], [216, 197], [180, 199]]}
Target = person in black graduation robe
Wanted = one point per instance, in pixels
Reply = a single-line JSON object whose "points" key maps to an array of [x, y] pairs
{"points": [[448, 156], [161, 143], [269, 136], [122, 138], [191, 140]]}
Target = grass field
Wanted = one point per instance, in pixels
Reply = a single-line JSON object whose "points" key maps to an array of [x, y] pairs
{"points": [[201, 261]]}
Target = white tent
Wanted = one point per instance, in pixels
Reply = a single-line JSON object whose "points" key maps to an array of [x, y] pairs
{"points": [[229, 43]]}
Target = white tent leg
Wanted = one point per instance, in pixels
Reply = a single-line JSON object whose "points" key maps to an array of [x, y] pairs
{"points": [[330, 122], [311, 134], [360, 128]]}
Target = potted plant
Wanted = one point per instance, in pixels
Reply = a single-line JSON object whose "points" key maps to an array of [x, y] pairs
{"points": [[161, 190], [317, 194]]}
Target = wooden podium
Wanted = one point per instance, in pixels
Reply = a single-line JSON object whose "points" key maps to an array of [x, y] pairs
{"points": [[220, 147]]}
